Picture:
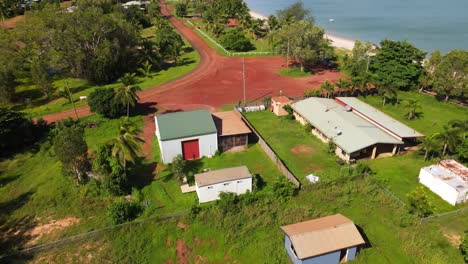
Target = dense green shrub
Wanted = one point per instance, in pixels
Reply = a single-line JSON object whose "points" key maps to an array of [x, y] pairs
{"points": [[290, 111], [102, 101], [15, 130], [464, 247], [181, 9], [283, 188], [121, 211], [419, 203], [236, 40], [112, 174], [72, 151]]}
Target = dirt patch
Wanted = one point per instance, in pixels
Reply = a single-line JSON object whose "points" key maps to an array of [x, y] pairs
{"points": [[168, 242], [227, 257], [302, 149], [182, 226], [454, 239], [182, 252], [199, 242], [168, 261], [315, 167], [55, 225]]}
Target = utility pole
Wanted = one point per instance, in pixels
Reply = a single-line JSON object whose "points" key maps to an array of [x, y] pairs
{"points": [[71, 98], [243, 78], [287, 56]]}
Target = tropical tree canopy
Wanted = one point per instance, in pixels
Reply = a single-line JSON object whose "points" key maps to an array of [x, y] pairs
{"points": [[398, 64], [303, 41]]}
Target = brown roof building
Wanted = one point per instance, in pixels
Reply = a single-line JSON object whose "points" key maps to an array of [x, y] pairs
{"points": [[232, 131], [332, 238], [277, 104]]}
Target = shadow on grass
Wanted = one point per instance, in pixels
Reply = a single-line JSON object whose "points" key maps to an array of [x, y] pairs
{"points": [[364, 236], [143, 174], [6, 180], [14, 234]]}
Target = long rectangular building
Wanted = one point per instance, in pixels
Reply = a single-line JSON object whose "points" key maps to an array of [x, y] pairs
{"points": [[354, 133]]}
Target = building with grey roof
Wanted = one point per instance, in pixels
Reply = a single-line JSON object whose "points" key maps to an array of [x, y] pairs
{"points": [[378, 118], [355, 136]]}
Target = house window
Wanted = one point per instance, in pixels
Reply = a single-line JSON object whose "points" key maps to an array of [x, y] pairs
{"points": [[227, 183], [210, 187]]}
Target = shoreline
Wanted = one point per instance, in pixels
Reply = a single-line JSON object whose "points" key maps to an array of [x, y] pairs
{"points": [[336, 41]]}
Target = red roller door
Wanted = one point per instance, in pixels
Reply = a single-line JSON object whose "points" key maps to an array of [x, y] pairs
{"points": [[190, 149]]}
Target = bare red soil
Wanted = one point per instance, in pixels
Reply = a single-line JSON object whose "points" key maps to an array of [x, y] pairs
{"points": [[215, 82]]}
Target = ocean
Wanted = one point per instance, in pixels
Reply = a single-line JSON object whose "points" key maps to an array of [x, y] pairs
{"points": [[428, 24]]}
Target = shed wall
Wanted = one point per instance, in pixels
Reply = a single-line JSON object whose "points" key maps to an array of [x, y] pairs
{"points": [[440, 188], [211, 192], [171, 148]]}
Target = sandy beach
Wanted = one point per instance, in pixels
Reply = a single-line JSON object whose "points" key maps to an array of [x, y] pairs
{"points": [[338, 42]]}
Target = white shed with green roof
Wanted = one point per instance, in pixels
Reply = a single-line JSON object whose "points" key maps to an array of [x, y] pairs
{"points": [[191, 134]]}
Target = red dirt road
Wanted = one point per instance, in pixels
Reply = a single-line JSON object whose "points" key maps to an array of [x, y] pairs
{"points": [[215, 82], [218, 80]]}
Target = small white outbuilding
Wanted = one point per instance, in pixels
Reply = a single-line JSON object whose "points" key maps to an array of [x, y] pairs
{"points": [[210, 184], [448, 179]]}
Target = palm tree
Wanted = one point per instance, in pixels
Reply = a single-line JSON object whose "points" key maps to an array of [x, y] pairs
{"points": [[412, 106], [127, 145], [343, 85], [450, 138], [387, 91], [462, 125], [328, 87], [430, 145], [145, 69], [127, 93]]}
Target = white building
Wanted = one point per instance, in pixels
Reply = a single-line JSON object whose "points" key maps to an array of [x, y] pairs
{"points": [[191, 134], [210, 184], [448, 179]]}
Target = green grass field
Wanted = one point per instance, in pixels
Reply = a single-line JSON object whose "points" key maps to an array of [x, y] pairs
{"points": [[294, 72], [434, 114], [33, 190], [301, 152]]}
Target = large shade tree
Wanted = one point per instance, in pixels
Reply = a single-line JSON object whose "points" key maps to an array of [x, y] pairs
{"points": [[398, 64], [304, 42], [450, 74]]}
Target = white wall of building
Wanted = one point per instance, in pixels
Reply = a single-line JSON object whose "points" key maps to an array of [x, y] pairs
{"points": [[211, 192], [208, 144], [445, 191]]}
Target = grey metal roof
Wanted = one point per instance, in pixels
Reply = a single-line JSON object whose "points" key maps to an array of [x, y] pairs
{"points": [[348, 130], [185, 124], [396, 127], [223, 175]]}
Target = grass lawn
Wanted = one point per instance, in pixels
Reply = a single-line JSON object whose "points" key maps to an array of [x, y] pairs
{"points": [[434, 114], [164, 190], [38, 106], [261, 45], [252, 232], [294, 72], [400, 175], [301, 152]]}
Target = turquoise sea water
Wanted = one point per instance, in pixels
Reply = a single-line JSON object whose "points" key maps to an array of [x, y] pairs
{"points": [[429, 24]]}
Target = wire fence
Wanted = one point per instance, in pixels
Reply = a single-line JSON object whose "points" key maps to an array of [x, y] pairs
{"points": [[224, 49], [65, 241], [443, 215]]}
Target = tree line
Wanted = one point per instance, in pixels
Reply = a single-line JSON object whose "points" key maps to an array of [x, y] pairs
{"points": [[399, 65], [99, 42]]}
